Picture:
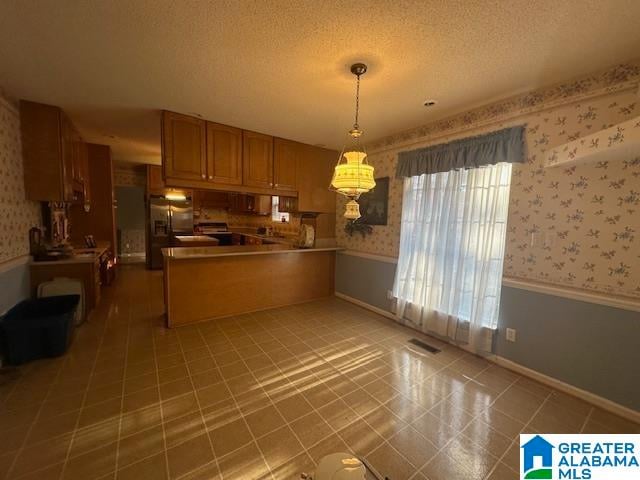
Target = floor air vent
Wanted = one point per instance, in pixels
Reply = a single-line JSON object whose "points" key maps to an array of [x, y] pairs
{"points": [[425, 346]]}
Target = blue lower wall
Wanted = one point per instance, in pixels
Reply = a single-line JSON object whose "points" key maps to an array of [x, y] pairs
{"points": [[593, 347], [14, 285], [365, 279]]}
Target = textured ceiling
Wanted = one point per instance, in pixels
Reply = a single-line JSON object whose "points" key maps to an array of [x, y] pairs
{"points": [[281, 67]]}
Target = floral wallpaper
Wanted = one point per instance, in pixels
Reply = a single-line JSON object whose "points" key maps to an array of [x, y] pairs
{"points": [[132, 241], [607, 143], [129, 176], [17, 215], [576, 226]]}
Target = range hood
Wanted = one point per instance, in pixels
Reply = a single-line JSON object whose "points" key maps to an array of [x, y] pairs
{"points": [[620, 142]]}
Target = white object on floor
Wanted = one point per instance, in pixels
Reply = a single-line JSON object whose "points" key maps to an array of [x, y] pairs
{"points": [[65, 286], [339, 466]]}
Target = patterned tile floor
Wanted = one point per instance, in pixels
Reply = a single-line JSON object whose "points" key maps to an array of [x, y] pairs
{"points": [[266, 396]]}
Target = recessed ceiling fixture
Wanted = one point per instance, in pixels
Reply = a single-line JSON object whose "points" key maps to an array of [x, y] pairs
{"points": [[353, 175], [429, 103]]}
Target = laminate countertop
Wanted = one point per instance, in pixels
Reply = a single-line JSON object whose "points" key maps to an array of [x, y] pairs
{"points": [[80, 255], [186, 253]]}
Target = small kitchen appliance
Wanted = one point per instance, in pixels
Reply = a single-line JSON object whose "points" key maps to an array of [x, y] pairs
{"points": [[306, 237]]}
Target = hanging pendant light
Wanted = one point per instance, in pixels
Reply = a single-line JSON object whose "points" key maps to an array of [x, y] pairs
{"points": [[352, 211], [352, 175]]}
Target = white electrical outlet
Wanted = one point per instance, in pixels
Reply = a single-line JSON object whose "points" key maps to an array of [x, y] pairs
{"points": [[389, 295], [511, 334]]}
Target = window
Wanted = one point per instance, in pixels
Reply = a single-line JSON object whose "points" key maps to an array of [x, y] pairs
{"points": [[452, 245], [277, 216]]}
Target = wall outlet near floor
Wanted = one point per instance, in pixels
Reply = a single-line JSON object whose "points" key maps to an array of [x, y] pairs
{"points": [[511, 334], [389, 295]]}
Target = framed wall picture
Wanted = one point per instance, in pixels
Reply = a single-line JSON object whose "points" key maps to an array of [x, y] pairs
{"points": [[374, 203]]}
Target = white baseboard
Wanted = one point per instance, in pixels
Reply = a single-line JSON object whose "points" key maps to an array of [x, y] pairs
{"points": [[362, 304], [559, 385]]}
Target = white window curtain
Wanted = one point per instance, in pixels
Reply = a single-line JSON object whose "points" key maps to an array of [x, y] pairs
{"points": [[452, 241]]}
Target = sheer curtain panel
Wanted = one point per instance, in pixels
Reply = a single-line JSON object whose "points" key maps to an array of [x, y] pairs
{"points": [[452, 242]]}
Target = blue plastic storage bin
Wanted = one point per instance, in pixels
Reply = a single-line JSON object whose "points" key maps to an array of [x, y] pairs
{"points": [[38, 328]]}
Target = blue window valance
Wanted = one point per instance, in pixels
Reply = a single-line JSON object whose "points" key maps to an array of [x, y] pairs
{"points": [[496, 147]]}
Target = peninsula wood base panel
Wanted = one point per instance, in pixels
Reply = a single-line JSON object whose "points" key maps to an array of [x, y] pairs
{"points": [[203, 289]]}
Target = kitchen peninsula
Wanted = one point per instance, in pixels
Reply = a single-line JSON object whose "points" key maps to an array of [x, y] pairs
{"points": [[212, 282]]}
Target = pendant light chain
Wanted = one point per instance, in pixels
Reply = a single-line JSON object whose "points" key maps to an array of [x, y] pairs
{"points": [[355, 125]]}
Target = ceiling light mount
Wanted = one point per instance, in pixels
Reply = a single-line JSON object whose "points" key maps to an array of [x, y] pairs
{"points": [[358, 69]]}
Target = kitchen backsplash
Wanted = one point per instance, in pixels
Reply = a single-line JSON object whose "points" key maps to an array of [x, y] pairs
{"points": [[17, 215], [253, 221], [585, 218]]}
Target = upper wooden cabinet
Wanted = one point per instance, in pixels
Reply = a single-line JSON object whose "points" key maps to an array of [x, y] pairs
{"points": [[257, 159], [314, 172], [155, 183], [244, 203], [224, 154], [285, 159], [206, 155], [85, 174], [55, 158], [210, 199], [183, 147], [99, 221]]}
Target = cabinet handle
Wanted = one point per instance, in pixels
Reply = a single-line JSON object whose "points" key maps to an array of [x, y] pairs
{"points": [[276, 184], [210, 177], [204, 176]]}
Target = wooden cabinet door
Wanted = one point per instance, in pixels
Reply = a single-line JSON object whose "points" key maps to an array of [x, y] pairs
{"points": [[84, 168], [78, 166], [210, 199], [155, 183], [257, 159], [287, 204], [68, 157], [285, 155], [184, 147], [314, 173], [224, 154]]}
